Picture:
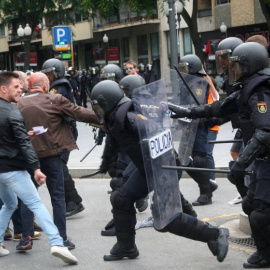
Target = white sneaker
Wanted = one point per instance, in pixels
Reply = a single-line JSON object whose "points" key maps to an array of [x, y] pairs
{"points": [[3, 252], [149, 222], [64, 254], [237, 200]]}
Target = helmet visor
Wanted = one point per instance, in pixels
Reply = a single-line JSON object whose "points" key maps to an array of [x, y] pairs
{"points": [[48, 70], [183, 67], [98, 111], [235, 69], [222, 61], [107, 76]]}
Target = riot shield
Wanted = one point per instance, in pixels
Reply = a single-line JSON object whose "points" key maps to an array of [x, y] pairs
{"points": [[157, 148], [183, 129]]}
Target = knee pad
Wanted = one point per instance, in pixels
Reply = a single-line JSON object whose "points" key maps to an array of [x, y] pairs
{"points": [[247, 206], [120, 200], [116, 182], [200, 162]]}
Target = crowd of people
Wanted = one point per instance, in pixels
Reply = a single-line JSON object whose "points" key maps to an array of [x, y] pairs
{"points": [[38, 131]]}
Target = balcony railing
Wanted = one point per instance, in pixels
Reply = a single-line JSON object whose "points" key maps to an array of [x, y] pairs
{"points": [[13, 38], [123, 17]]}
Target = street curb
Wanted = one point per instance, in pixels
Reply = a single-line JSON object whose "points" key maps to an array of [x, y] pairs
{"points": [[78, 172]]}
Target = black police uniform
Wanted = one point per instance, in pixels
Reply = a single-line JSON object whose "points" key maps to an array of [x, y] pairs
{"points": [[75, 83], [63, 87], [84, 90], [122, 125]]}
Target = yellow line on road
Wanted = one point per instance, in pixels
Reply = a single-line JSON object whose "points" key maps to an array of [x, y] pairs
{"points": [[222, 216], [247, 250]]}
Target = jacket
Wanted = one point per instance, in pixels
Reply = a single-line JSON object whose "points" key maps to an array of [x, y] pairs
{"points": [[42, 109], [15, 146]]}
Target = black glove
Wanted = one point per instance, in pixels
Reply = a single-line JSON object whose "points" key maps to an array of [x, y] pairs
{"points": [[237, 172], [180, 112], [99, 137]]}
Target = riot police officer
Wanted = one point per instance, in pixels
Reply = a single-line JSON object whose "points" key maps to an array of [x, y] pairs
{"points": [[55, 71], [111, 72], [249, 66], [224, 51], [141, 69], [149, 75], [192, 64], [75, 83], [123, 124]]}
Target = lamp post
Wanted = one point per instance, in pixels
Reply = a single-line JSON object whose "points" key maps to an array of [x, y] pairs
{"points": [[169, 10], [106, 40], [25, 36], [223, 30], [178, 9]]}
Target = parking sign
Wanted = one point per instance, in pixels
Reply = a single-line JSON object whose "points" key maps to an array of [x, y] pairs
{"points": [[62, 38]]}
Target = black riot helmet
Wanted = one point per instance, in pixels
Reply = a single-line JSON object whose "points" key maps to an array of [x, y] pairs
{"points": [[111, 72], [246, 60], [94, 71], [105, 97], [141, 67], [224, 51], [191, 64], [130, 82], [54, 67]]}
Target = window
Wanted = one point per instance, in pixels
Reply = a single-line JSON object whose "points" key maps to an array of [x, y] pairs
{"points": [[154, 45], [187, 41], [221, 2], [142, 46], [2, 30]]}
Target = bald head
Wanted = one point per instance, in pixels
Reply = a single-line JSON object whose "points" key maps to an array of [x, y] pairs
{"points": [[39, 82], [258, 39]]}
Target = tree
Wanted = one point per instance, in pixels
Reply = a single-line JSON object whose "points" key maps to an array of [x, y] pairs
{"points": [[265, 5]]}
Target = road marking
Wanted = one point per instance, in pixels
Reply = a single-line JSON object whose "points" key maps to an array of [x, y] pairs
{"points": [[222, 216], [247, 250]]}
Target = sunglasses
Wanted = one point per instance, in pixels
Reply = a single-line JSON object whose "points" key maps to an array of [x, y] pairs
{"points": [[130, 68]]}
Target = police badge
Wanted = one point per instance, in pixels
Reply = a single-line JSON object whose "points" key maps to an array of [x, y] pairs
{"points": [[262, 107], [199, 92], [53, 91]]}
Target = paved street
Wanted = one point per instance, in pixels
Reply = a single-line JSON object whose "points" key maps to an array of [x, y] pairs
{"points": [[157, 250]]}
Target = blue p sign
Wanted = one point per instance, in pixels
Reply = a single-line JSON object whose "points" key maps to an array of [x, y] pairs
{"points": [[61, 38]]}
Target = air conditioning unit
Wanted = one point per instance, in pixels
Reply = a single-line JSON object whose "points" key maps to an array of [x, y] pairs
{"points": [[10, 38]]}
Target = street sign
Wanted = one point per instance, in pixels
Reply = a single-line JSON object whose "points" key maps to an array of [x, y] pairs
{"points": [[63, 55], [62, 38]]}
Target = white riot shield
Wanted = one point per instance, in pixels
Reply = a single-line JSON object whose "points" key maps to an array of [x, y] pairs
{"points": [[183, 129], [157, 148]]}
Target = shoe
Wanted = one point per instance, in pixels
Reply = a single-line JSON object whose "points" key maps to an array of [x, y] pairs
{"points": [[149, 222], [237, 200], [188, 209], [213, 185], [142, 204], [202, 200], [118, 252], [69, 244], [18, 237], [71, 211], [109, 229], [26, 243], [261, 264], [254, 258], [8, 234], [37, 228], [3, 252], [64, 254], [219, 247]]}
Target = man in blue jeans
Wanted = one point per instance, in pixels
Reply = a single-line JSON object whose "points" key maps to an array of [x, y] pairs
{"points": [[39, 108], [16, 155]]}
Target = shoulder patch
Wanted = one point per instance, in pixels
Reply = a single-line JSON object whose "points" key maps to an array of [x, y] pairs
{"points": [[199, 92], [262, 107], [53, 91], [142, 116]]}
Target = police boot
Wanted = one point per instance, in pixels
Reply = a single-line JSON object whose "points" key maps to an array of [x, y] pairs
{"points": [[124, 248], [192, 228], [261, 258], [202, 179], [109, 229]]}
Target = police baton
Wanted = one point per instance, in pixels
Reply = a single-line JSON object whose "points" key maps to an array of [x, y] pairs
{"points": [[88, 153], [226, 141], [185, 83], [201, 169], [90, 175]]}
